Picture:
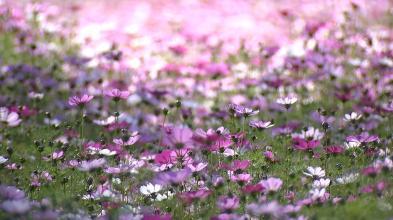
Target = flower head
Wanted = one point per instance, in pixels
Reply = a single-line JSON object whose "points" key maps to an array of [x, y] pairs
{"points": [[117, 94], [261, 124], [150, 189], [287, 101], [315, 172], [354, 116], [80, 100], [10, 118]]}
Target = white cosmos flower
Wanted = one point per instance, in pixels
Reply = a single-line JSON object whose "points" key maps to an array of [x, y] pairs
{"points": [[352, 144], [321, 183], [311, 133], [10, 118], [106, 121], [347, 178], [229, 152], [315, 172], [107, 152], [34, 95], [3, 159], [317, 193], [164, 196], [150, 188], [288, 100], [353, 116]]}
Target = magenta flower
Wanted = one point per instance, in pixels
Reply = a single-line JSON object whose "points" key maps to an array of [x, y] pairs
{"points": [[303, 145], [335, 150], [189, 197], [269, 155], [253, 188], [272, 184], [237, 165], [371, 171], [80, 100], [117, 94], [228, 203]]}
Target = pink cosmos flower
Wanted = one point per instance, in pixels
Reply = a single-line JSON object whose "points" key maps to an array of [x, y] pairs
{"points": [[269, 155], [131, 140], [117, 94], [80, 100], [57, 155], [253, 188], [335, 150], [178, 137], [272, 184], [227, 203], [192, 196], [240, 178]]}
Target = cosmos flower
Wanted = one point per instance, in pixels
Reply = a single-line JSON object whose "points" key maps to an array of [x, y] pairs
{"points": [[261, 124], [362, 138], [309, 134], [105, 122], [131, 140], [19, 206], [107, 152], [3, 159], [271, 184], [315, 172], [352, 144], [173, 177], [11, 193], [304, 145], [92, 164], [321, 183], [150, 188], [117, 94], [9, 118], [226, 203], [347, 178], [240, 178], [241, 111], [272, 208], [287, 101], [57, 155], [388, 107], [192, 196], [80, 100], [178, 137], [335, 150], [318, 194], [34, 95], [354, 116]]}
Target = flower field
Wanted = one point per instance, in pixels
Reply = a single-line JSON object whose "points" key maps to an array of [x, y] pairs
{"points": [[199, 109]]}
